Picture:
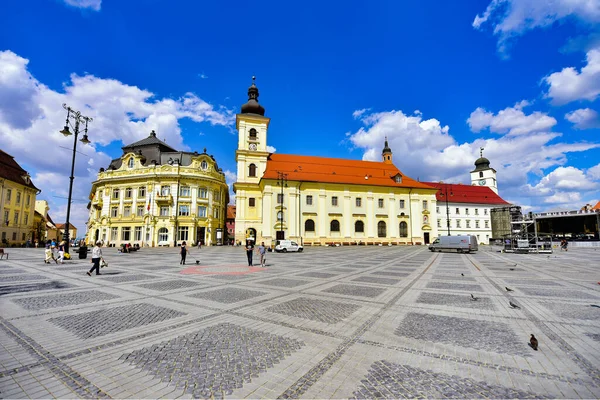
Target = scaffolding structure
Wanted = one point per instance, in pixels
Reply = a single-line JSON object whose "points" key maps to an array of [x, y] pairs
{"points": [[512, 230]]}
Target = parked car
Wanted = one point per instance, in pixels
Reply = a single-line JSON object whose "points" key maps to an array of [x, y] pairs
{"points": [[460, 244], [287, 245]]}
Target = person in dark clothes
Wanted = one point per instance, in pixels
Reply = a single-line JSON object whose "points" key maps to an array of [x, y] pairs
{"points": [[249, 251], [183, 252]]}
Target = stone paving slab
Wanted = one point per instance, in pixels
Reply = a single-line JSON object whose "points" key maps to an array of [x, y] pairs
{"points": [[339, 322]]}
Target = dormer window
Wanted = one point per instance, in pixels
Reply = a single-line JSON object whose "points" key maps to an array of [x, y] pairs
{"points": [[252, 134], [130, 163], [398, 178], [204, 165]]}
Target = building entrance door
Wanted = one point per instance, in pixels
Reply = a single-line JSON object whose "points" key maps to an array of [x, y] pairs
{"points": [[200, 234], [426, 237], [280, 235]]}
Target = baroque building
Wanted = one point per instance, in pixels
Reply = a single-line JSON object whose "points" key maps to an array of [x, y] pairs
{"points": [[319, 200], [154, 195], [17, 202]]}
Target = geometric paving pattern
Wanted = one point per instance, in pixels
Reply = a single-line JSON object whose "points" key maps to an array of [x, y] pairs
{"points": [[168, 285], [104, 322], [496, 337], [290, 283], [455, 300], [577, 294], [31, 287], [353, 290], [387, 380], [17, 278], [374, 279], [454, 286], [326, 311], [127, 278], [11, 271], [63, 300], [214, 361], [575, 311], [532, 282], [391, 273], [228, 295], [323, 275]]}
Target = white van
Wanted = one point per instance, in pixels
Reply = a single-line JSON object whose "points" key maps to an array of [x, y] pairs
{"points": [[462, 244], [287, 245]]}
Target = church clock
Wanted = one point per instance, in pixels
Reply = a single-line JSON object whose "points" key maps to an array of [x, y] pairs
{"points": [[481, 182]]}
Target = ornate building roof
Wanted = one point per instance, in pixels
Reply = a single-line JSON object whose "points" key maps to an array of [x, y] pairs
{"points": [[12, 171], [338, 170], [459, 193]]}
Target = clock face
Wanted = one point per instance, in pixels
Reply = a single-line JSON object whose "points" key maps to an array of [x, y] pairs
{"points": [[252, 146], [482, 182]]}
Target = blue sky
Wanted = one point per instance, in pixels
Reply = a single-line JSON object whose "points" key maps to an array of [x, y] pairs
{"points": [[520, 78]]}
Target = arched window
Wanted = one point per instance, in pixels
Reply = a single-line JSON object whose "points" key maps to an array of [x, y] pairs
{"points": [[359, 226], [252, 170], [309, 225], [163, 235], [334, 226], [204, 165], [252, 134], [480, 174], [128, 193], [130, 164], [381, 229], [403, 229]]}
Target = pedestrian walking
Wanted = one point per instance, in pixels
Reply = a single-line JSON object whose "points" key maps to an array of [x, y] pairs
{"points": [[249, 250], [183, 251], [49, 255], [262, 251], [61, 252], [199, 244], [96, 258]]}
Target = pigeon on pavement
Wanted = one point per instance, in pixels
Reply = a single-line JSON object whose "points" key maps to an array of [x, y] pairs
{"points": [[462, 274], [508, 289], [512, 269], [513, 305], [594, 305], [533, 342], [473, 298]]}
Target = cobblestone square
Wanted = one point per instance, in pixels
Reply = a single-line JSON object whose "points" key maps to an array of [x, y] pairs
{"points": [[331, 322]]}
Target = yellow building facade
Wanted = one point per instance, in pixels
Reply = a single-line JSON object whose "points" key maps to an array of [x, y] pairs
{"points": [[318, 200], [17, 202], [154, 195]]}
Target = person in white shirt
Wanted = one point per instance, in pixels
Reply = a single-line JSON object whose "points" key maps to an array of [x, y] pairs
{"points": [[96, 258]]}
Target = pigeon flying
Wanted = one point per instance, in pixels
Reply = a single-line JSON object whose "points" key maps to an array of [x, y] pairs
{"points": [[513, 305], [473, 298], [508, 289], [533, 342]]}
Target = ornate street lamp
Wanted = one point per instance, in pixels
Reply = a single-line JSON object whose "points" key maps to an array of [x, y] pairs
{"points": [[79, 119]]}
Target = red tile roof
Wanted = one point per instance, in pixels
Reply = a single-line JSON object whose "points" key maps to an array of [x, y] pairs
{"points": [[230, 212], [459, 193], [12, 171], [337, 170], [62, 226], [597, 206]]}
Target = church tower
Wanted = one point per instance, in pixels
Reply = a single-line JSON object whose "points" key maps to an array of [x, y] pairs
{"points": [[251, 158], [387, 153], [483, 174]]}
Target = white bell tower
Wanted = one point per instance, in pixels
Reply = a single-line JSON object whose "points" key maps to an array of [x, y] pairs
{"points": [[483, 174]]}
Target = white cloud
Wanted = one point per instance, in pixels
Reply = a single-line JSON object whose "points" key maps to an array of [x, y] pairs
{"points": [[202, 76], [594, 172], [31, 115], [425, 149], [230, 178], [583, 118], [569, 85], [511, 120], [91, 4], [271, 149], [356, 114], [512, 18]]}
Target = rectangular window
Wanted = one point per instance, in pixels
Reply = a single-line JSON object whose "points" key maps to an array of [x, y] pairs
{"points": [[334, 201], [401, 204], [16, 218], [5, 220], [437, 210], [203, 193], [358, 202], [14, 236], [142, 192], [477, 224], [184, 210], [165, 190], [137, 236], [477, 211], [380, 203], [113, 212], [279, 198], [439, 223], [114, 232], [25, 219], [457, 211], [3, 235], [466, 211], [487, 224], [184, 191], [216, 213], [128, 193], [28, 200], [458, 223], [424, 204], [217, 196], [140, 211], [309, 200], [115, 194], [468, 223], [485, 211], [18, 197], [127, 211], [8, 195], [23, 236], [202, 211], [251, 202], [182, 233], [126, 233], [164, 211]]}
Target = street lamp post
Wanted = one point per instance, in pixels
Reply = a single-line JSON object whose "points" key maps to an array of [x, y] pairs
{"points": [[281, 182], [447, 209], [79, 119]]}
